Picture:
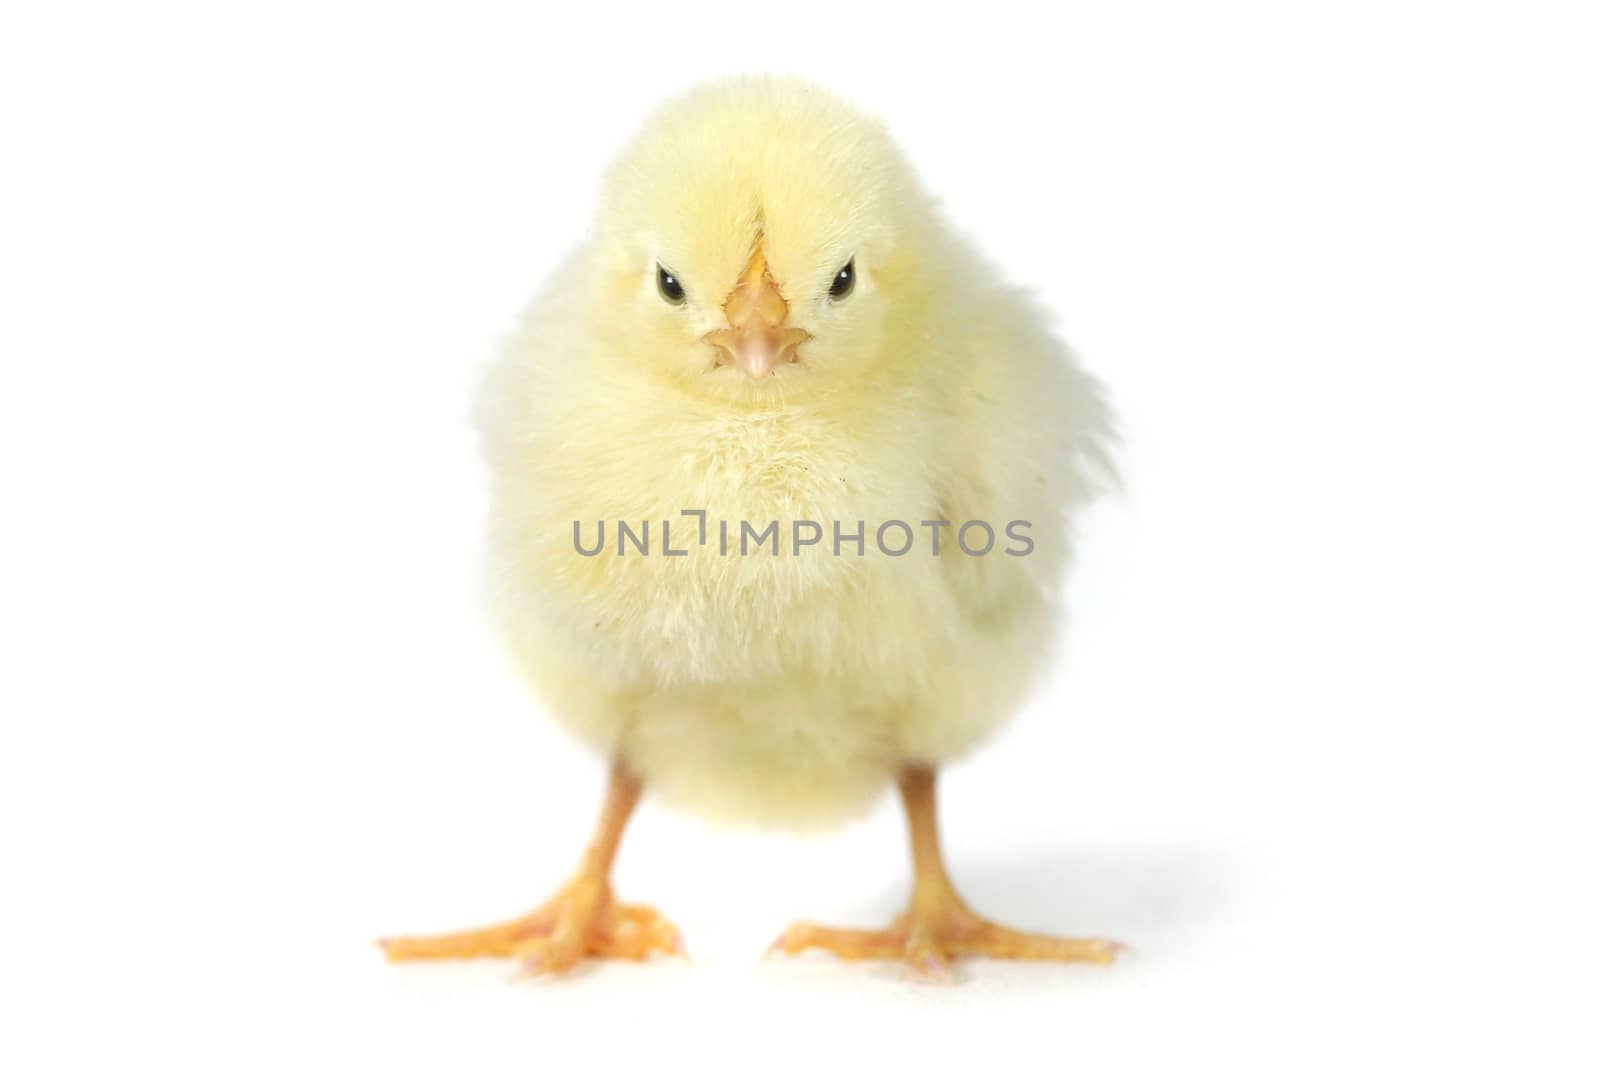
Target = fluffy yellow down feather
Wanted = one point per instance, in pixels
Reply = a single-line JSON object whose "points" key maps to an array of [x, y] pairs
{"points": [[790, 688]]}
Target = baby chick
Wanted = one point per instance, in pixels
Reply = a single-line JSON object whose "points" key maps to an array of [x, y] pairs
{"points": [[771, 335]]}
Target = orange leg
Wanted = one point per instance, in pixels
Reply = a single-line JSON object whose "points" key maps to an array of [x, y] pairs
{"points": [[582, 919], [938, 926]]}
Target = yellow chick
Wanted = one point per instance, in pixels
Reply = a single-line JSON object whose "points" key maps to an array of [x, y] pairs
{"points": [[781, 478]]}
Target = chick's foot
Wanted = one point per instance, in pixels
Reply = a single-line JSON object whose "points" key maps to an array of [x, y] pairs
{"points": [[939, 926], [930, 937], [580, 920]]}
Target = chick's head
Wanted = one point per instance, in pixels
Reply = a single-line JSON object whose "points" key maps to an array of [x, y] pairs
{"points": [[759, 238]]}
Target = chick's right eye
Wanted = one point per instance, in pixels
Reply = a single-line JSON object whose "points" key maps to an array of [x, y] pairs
{"points": [[670, 288]]}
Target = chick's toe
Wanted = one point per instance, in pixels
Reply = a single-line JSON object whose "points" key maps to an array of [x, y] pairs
{"points": [[580, 920]]}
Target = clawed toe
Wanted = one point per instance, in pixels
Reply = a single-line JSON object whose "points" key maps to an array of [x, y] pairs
{"points": [[576, 923], [930, 942]]}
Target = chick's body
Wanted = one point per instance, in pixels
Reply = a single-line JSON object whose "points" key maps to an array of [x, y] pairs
{"points": [[785, 688]]}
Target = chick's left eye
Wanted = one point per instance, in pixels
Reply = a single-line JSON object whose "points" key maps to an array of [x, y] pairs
{"points": [[843, 282], [670, 288]]}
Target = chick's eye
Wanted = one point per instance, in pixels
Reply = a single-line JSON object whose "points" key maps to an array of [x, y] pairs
{"points": [[670, 288], [843, 282]]}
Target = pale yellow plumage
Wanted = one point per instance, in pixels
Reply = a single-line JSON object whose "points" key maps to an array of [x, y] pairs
{"points": [[744, 384], [785, 690]]}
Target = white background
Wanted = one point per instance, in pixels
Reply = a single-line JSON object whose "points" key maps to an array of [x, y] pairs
{"points": [[1322, 743]]}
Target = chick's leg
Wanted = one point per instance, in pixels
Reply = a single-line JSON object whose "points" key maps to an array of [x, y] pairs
{"points": [[938, 926], [581, 919]]}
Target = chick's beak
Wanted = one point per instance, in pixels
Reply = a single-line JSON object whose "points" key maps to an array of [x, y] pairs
{"points": [[756, 339]]}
